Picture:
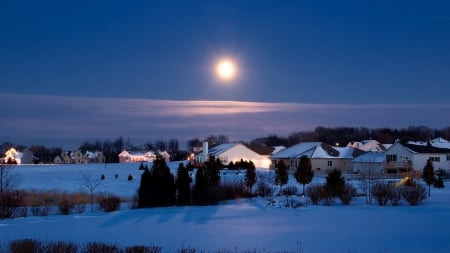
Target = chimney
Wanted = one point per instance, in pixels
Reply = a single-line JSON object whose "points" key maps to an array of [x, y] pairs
{"points": [[205, 151]]}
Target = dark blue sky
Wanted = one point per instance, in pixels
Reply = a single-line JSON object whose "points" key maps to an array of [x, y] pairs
{"points": [[306, 52]]}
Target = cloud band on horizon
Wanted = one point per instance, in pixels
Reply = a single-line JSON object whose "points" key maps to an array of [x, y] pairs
{"points": [[87, 117]]}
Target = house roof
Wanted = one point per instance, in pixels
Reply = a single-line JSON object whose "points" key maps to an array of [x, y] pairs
{"points": [[296, 151], [262, 149], [317, 150], [216, 150], [429, 149], [367, 145]]}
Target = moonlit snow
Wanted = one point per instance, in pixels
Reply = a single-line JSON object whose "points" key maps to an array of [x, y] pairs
{"points": [[238, 225]]}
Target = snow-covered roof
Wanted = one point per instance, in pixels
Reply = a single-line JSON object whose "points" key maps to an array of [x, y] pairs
{"points": [[137, 153], [92, 155], [216, 150], [370, 157], [367, 145], [437, 142], [296, 151], [278, 149]]}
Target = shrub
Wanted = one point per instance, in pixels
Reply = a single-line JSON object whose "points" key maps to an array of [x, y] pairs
{"points": [[63, 247], [109, 204], [130, 177], [186, 250], [439, 183], [25, 245], [414, 194], [381, 192], [314, 193], [233, 190], [289, 190], [348, 194], [100, 247], [143, 249], [65, 206], [263, 189], [395, 195], [103, 177], [12, 202]]}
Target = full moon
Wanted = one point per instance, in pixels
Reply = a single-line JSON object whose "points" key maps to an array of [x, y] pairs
{"points": [[226, 69]]}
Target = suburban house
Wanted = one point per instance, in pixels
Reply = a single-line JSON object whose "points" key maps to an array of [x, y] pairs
{"points": [[94, 157], [69, 157], [19, 157], [137, 156], [235, 152], [405, 156], [323, 157]]}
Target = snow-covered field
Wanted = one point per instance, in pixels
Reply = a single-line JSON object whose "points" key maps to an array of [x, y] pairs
{"points": [[248, 224]]}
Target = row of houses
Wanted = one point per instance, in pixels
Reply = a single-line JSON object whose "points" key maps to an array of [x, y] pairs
{"points": [[140, 156], [69, 157], [356, 156]]}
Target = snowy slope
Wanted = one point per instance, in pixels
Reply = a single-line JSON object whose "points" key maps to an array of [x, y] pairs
{"points": [[236, 225]]}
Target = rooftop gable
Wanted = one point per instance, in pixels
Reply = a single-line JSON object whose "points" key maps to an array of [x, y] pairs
{"points": [[296, 151]]}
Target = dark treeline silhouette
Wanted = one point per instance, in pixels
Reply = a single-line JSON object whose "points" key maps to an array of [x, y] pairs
{"points": [[344, 135]]}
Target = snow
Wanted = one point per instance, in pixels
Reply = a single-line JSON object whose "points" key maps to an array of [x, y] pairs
{"points": [[245, 224]]}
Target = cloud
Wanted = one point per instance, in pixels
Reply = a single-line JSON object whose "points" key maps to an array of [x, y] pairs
{"points": [[48, 117], [441, 17]]}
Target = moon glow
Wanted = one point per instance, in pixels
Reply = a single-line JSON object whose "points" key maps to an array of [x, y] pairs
{"points": [[226, 69]]}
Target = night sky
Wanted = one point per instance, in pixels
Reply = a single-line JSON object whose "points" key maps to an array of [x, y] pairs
{"points": [[77, 70]]}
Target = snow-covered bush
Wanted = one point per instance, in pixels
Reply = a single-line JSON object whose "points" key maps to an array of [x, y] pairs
{"points": [[109, 204], [395, 195], [289, 190], [314, 193], [348, 194], [414, 194], [381, 192]]}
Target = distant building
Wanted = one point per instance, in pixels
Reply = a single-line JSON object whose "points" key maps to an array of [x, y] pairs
{"points": [[235, 152], [77, 157], [323, 157], [19, 157]]}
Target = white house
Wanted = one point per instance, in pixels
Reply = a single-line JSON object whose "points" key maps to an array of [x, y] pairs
{"points": [[23, 157], [134, 157], [403, 156], [323, 156], [235, 152]]}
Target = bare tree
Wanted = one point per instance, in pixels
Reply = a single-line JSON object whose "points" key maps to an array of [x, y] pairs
{"points": [[8, 181], [91, 184], [369, 174]]}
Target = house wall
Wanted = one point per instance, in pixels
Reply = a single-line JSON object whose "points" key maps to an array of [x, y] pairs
{"points": [[363, 166], [238, 152], [319, 165], [326, 164], [418, 160], [421, 159]]}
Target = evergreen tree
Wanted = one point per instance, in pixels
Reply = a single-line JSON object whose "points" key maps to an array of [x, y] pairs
{"points": [[213, 171], [157, 186], [250, 175], [183, 186], [144, 190], [201, 186], [281, 174], [428, 175], [335, 183], [304, 174]]}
